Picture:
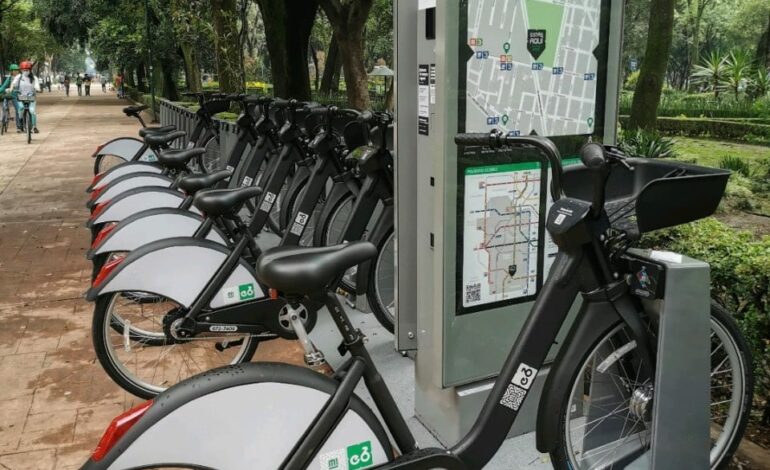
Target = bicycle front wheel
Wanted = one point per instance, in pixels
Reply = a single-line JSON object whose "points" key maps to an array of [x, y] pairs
{"points": [[606, 419], [381, 285]]}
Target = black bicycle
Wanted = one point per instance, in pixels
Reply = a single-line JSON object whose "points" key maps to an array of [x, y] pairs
{"points": [[5, 115], [309, 421], [26, 117]]}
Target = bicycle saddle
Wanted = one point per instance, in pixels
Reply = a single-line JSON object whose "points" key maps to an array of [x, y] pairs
{"points": [[177, 159], [191, 184], [144, 132], [224, 202], [300, 271], [154, 139], [134, 110]]}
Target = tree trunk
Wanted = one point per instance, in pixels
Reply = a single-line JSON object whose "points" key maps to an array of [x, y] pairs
{"points": [[192, 69], [390, 95], [644, 108], [331, 76], [763, 47], [287, 31], [356, 78], [316, 75], [130, 77], [141, 78], [225, 19], [348, 21], [168, 79]]}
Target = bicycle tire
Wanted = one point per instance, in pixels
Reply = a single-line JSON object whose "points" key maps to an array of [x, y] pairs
{"points": [[210, 161], [338, 216], [118, 373], [28, 123], [374, 289], [560, 457]]}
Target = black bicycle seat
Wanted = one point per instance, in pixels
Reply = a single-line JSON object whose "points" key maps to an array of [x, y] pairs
{"points": [[219, 202], [144, 132], [177, 159], [191, 184], [301, 271], [134, 110], [155, 140]]}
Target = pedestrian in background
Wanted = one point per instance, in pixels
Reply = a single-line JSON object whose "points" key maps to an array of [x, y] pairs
{"points": [[79, 84], [61, 81], [87, 84], [104, 84]]}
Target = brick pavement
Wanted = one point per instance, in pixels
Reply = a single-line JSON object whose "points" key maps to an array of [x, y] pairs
{"points": [[55, 400]]}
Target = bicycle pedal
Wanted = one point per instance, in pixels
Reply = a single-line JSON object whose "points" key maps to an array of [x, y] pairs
{"points": [[315, 359]]}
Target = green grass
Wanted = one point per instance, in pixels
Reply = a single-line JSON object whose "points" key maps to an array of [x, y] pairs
{"points": [[708, 152]]}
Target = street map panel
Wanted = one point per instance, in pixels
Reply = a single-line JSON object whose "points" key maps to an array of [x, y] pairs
{"points": [[501, 222], [533, 69]]}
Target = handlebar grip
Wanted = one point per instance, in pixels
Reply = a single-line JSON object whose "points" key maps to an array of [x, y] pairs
{"points": [[592, 155], [319, 110], [476, 139], [281, 103]]}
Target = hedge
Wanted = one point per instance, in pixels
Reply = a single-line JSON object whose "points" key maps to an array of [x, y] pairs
{"points": [[717, 128], [740, 280]]}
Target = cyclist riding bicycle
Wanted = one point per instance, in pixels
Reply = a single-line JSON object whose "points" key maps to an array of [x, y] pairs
{"points": [[6, 87], [26, 84]]}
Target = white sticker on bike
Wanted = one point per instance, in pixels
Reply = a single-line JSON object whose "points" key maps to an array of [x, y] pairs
{"points": [[299, 223], [354, 457], [524, 377], [247, 181], [267, 204]]}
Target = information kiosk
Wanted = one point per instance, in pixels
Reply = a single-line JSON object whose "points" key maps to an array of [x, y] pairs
{"points": [[473, 251]]}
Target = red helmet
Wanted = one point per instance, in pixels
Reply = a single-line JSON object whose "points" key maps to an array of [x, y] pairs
{"points": [[26, 65]]}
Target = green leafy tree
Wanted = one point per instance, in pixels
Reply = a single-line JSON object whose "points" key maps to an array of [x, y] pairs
{"points": [[738, 73], [711, 72]]}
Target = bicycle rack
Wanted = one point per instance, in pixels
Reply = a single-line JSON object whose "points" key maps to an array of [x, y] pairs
{"points": [[681, 412]]}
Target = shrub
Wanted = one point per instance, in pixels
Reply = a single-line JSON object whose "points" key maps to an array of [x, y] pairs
{"points": [[740, 280], [645, 144], [736, 164], [631, 80], [717, 128]]}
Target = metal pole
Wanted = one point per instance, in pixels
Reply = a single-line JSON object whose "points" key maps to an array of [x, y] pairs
{"points": [[150, 68]]}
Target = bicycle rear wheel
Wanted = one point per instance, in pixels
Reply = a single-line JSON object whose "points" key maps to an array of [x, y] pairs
{"points": [[606, 419], [381, 285]]}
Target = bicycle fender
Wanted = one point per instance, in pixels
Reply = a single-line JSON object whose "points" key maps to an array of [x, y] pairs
{"points": [[117, 171], [179, 269], [151, 225], [126, 182], [298, 182], [339, 191], [122, 147], [208, 421], [136, 200], [593, 319]]}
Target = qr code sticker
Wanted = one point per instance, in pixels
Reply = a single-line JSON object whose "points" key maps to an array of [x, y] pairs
{"points": [[473, 293], [514, 397], [297, 229]]}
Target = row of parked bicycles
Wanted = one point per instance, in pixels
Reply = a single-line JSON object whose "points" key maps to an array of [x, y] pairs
{"points": [[181, 287], [174, 237]]}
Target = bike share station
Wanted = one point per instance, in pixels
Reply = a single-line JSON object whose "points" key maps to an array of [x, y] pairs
{"points": [[472, 250]]}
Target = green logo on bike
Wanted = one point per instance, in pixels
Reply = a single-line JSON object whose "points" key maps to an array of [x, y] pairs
{"points": [[360, 455], [246, 291]]}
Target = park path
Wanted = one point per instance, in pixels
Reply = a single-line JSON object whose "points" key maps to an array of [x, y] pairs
{"points": [[55, 400]]}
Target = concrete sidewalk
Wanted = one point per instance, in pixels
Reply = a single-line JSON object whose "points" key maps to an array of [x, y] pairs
{"points": [[55, 400]]}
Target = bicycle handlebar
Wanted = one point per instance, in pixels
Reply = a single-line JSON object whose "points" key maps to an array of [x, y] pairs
{"points": [[497, 139]]}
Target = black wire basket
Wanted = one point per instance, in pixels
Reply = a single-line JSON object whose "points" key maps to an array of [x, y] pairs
{"points": [[656, 194]]}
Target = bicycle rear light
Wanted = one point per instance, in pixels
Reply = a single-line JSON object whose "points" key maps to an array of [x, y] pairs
{"points": [[98, 209], [118, 428], [103, 233], [107, 269]]}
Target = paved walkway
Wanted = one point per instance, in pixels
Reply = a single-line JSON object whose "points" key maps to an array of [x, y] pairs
{"points": [[55, 400]]}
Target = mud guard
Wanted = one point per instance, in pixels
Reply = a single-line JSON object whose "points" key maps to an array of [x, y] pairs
{"points": [[592, 320], [136, 200], [151, 225], [298, 182], [185, 423], [123, 147], [126, 168], [127, 182], [179, 269]]}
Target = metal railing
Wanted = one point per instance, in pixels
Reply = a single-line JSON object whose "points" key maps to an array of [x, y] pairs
{"points": [[185, 120]]}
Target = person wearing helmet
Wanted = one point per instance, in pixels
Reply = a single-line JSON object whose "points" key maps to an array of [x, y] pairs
{"points": [[5, 86], [26, 84]]}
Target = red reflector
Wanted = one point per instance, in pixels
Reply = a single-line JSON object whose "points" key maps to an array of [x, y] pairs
{"points": [[96, 192], [98, 209], [117, 428], [97, 177], [103, 233], [98, 149], [273, 293], [107, 269]]}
